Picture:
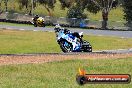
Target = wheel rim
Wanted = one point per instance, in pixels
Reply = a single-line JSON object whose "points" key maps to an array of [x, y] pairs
{"points": [[67, 46]]}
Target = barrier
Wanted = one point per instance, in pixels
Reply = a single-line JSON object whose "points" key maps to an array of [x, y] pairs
{"points": [[63, 21]]}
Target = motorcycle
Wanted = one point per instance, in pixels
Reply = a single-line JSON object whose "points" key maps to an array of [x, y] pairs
{"points": [[38, 22], [71, 42]]}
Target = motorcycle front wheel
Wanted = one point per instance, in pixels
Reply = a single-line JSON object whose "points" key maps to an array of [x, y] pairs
{"points": [[65, 46], [35, 24]]}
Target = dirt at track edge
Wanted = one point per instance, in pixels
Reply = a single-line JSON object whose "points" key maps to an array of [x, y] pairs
{"points": [[7, 60]]}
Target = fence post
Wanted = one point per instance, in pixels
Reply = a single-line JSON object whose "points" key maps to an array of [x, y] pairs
{"points": [[74, 20]]}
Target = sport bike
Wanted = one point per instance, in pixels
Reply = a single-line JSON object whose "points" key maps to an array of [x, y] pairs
{"points": [[71, 42], [38, 22]]}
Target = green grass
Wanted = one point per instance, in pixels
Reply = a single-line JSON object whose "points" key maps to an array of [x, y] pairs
{"points": [[27, 42], [14, 41], [114, 15], [108, 43], [62, 74], [14, 24]]}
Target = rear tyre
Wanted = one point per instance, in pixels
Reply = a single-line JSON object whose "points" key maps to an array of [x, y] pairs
{"points": [[43, 24], [65, 46]]}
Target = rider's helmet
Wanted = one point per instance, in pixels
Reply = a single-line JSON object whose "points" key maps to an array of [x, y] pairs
{"points": [[36, 15], [57, 28], [66, 31]]}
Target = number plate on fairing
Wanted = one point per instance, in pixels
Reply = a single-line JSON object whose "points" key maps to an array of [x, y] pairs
{"points": [[69, 39]]}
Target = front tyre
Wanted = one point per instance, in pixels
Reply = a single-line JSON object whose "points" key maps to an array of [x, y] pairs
{"points": [[65, 46], [35, 24]]}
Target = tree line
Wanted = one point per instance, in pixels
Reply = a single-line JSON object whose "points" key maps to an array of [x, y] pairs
{"points": [[76, 7]]}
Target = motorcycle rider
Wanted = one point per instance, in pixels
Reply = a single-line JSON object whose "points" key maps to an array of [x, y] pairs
{"points": [[57, 28], [78, 36], [35, 18]]}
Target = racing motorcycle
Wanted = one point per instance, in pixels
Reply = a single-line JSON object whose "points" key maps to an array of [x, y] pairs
{"points": [[71, 42], [38, 22]]}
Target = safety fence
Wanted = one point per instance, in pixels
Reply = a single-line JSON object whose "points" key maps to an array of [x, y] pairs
{"points": [[63, 21]]}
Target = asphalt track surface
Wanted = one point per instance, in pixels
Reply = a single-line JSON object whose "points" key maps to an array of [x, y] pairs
{"points": [[122, 34], [118, 51]]}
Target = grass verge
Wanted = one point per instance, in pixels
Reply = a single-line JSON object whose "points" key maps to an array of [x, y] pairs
{"points": [[62, 74], [14, 24], [14, 41]]}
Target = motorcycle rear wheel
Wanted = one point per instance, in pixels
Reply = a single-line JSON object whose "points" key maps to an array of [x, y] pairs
{"points": [[43, 24]]}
